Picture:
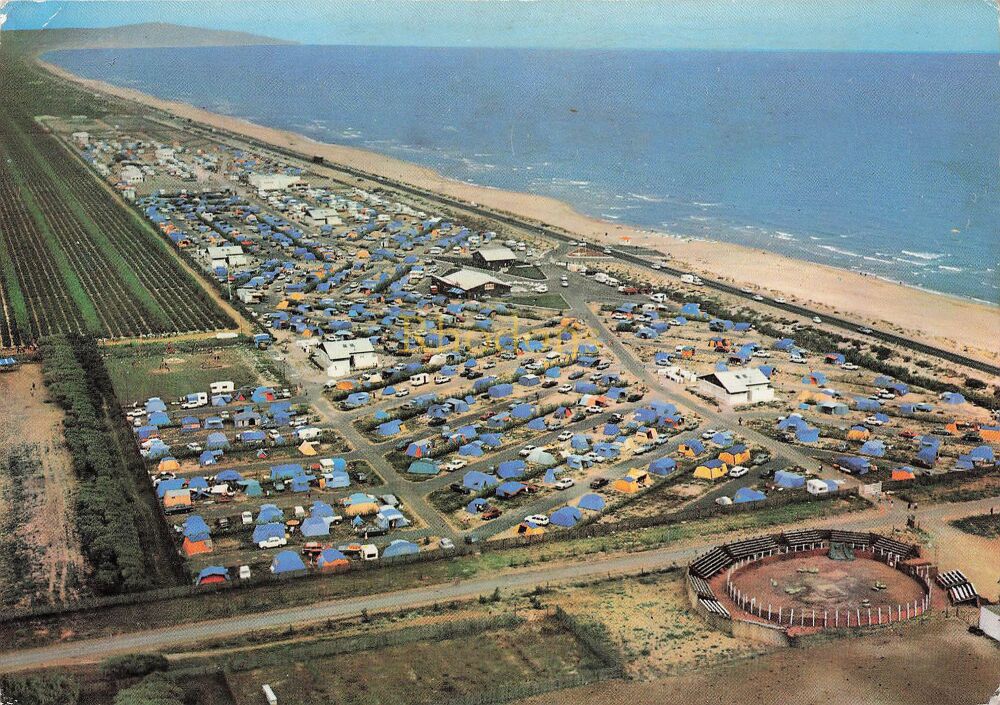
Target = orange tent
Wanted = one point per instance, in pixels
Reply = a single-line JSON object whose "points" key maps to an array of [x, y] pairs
{"points": [[902, 475], [193, 548]]}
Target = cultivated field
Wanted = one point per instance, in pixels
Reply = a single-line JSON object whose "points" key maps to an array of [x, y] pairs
{"points": [[72, 257]]}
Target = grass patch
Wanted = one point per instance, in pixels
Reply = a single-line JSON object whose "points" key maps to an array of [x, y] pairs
{"points": [[137, 377], [985, 525]]}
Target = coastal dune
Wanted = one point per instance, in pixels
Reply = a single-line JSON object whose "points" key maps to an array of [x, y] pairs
{"points": [[951, 322]]}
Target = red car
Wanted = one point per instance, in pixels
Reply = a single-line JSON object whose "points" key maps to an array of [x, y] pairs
{"points": [[491, 513]]}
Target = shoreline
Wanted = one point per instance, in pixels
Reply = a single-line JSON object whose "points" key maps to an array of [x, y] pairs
{"points": [[964, 324]]}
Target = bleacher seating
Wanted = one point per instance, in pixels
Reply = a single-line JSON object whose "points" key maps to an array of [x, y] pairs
{"points": [[805, 537], [709, 564], [752, 547], [904, 550], [701, 587], [715, 607], [851, 537]]}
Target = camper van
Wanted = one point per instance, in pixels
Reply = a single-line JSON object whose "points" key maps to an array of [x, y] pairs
{"points": [[308, 434], [419, 379], [659, 297], [687, 278], [193, 401], [221, 387]]}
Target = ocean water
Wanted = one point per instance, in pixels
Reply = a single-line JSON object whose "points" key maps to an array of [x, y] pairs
{"points": [[883, 163]]}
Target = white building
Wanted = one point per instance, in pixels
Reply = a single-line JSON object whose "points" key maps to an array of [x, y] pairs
{"points": [[322, 216], [989, 621], [345, 356], [163, 154], [227, 256], [273, 182], [131, 174], [81, 138], [737, 387]]}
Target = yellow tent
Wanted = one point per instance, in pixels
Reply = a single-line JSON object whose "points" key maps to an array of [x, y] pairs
{"points": [[307, 448], [525, 529], [282, 305], [711, 470], [735, 457], [633, 482], [297, 296], [169, 465]]}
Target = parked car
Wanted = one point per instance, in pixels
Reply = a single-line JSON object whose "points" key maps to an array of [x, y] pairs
{"points": [[598, 482], [456, 464], [565, 388], [850, 366], [526, 451], [491, 513], [538, 519], [446, 544], [564, 484], [738, 471], [273, 542], [400, 393], [442, 379], [459, 488], [565, 435]]}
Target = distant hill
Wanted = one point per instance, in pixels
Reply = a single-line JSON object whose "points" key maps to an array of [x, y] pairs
{"points": [[135, 36]]}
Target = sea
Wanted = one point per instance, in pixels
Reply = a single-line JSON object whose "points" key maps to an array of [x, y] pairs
{"points": [[881, 163]]}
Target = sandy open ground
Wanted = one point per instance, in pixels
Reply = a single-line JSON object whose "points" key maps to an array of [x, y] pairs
{"points": [[939, 319]]}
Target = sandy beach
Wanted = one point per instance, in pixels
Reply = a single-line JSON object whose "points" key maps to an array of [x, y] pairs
{"points": [[939, 319]]}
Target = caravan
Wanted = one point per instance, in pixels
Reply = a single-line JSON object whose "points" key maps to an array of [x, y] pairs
{"points": [[193, 401], [224, 387]]}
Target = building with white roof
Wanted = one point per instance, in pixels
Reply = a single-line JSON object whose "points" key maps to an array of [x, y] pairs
{"points": [[346, 356], [470, 284], [737, 387]]}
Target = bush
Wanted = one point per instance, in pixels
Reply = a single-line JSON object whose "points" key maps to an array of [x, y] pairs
{"points": [[54, 689], [152, 690], [133, 665]]}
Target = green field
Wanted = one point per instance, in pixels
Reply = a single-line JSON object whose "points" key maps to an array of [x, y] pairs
{"points": [[172, 375], [985, 525]]}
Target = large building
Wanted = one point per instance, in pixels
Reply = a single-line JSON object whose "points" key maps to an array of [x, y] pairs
{"points": [[273, 182], [346, 356], [470, 284], [989, 621], [322, 216], [494, 257], [737, 387]]}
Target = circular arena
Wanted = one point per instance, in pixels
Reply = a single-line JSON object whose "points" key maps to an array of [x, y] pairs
{"points": [[811, 580]]}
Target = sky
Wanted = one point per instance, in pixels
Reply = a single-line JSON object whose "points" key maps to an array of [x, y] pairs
{"points": [[807, 25]]}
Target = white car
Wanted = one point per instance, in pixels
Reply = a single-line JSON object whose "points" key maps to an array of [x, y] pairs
{"points": [[446, 544], [273, 542], [442, 379], [564, 484], [194, 447], [564, 284], [746, 291], [565, 435], [849, 366], [872, 421], [456, 464], [817, 319], [607, 250], [797, 359], [489, 365], [541, 289], [400, 393], [761, 353], [780, 300], [566, 388], [657, 265], [758, 297], [738, 471], [526, 451], [707, 435], [593, 409], [723, 501], [537, 519]]}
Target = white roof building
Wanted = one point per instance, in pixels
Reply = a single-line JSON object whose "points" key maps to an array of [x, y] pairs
{"points": [[472, 283], [736, 387], [273, 182], [346, 356]]}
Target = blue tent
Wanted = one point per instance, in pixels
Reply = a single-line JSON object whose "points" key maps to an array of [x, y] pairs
{"points": [[195, 528], [536, 424], [952, 398], [216, 441], [746, 494], [662, 466], [400, 547], [165, 486], [212, 571], [390, 428], [855, 466], [509, 489], [591, 502], [287, 562], [228, 476], [784, 478], [321, 509], [314, 526], [473, 507], [511, 469], [269, 513], [328, 556], [478, 481], [565, 516], [423, 467], [471, 450], [873, 448]]}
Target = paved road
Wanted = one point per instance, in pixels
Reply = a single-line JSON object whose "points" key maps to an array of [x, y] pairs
{"points": [[92, 650]]}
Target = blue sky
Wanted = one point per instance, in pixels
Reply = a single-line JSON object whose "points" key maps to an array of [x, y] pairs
{"points": [[834, 25]]}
